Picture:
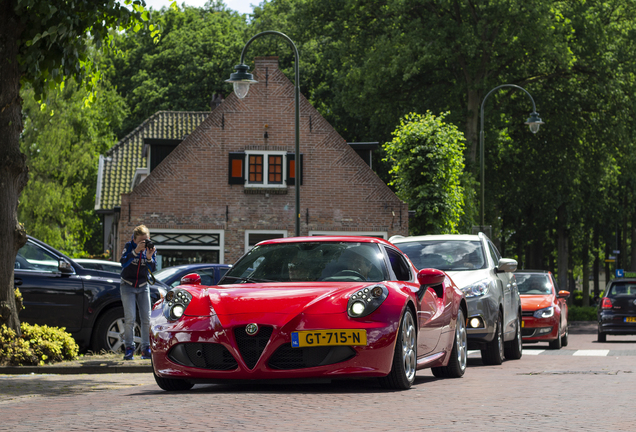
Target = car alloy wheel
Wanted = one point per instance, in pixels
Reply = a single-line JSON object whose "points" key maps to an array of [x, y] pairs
{"points": [[115, 336], [404, 366], [408, 346]]}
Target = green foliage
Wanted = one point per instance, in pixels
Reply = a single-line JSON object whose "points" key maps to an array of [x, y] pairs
{"points": [[19, 300], [62, 140], [54, 43], [197, 52], [38, 345], [582, 313], [426, 155]]}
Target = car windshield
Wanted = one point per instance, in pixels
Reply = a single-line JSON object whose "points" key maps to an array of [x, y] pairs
{"points": [[533, 284], [164, 274], [456, 255], [622, 289], [309, 262]]}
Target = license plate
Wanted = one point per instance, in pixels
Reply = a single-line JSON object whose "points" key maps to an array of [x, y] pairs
{"points": [[630, 319], [329, 337]]}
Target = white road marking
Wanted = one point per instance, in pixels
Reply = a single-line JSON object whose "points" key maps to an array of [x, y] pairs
{"points": [[591, 353], [532, 352]]}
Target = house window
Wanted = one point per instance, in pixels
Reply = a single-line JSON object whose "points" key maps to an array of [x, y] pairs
{"points": [[252, 237], [187, 246], [264, 169]]}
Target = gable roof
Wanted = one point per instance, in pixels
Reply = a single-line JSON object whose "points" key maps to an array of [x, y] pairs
{"points": [[117, 167]]}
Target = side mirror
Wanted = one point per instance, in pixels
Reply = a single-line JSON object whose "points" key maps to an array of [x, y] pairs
{"points": [[563, 294], [506, 265], [191, 279], [430, 276], [64, 267]]}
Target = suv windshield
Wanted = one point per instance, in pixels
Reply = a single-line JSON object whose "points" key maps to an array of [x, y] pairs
{"points": [[309, 262], [445, 254], [533, 284]]}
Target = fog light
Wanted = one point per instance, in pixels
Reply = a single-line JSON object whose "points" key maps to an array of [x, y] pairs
{"points": [[475, 322], [545, 330]]}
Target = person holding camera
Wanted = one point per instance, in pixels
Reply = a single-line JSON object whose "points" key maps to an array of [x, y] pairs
{"points": [[137, 259]]}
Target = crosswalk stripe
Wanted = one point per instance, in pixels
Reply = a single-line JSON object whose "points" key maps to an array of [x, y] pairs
{"points": [[591, 353], [532, 352]]}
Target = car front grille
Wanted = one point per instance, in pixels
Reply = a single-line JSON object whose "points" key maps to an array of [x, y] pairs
{"points": [[527, 313], [203, 355], [251, 347], [287, 357]]}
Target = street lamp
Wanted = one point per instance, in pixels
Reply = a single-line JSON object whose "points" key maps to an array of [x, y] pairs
{"points": [[241, 79], [534, 122]]}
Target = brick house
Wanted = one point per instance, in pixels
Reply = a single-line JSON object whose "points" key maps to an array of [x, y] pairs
{"points": [[230, 183]]}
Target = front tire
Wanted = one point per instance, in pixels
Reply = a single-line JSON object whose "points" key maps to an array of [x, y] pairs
{"points": [[493, 354], [404, 365], [459, 355], [108, 334], [602, 337], [169, 384], [556, 344], [513, 350], [564, 338]]}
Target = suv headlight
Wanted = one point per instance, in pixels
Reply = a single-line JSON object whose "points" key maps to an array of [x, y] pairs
{"points": [[544, 313], [477, 289]]}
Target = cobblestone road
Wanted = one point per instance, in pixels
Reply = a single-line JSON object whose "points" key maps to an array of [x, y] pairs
{"points": [[536, 393]]}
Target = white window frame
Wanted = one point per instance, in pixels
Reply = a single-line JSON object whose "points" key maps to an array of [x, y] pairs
{"points": [[382, 234], [220, 247], [248, 232], [266, 154]]}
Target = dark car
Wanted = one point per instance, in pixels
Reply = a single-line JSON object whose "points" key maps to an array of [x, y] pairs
{"points": [[617, 309], [59, 292], [211, 274], [544, 308]]}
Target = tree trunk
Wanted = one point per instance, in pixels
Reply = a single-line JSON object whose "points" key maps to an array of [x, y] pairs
{"points": [[472, 126], [632, 267], [13, 169], [562, 248], [585, 260], [597, 263]]}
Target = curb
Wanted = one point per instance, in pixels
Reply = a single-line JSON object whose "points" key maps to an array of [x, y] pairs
{"points": [[74, 369]]}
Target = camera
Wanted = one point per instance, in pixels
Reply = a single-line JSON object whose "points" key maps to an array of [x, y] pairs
{"points": [[149, 244]]}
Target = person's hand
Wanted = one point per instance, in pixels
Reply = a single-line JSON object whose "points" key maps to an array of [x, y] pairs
{"points": [[150, 251], [141, 246]]}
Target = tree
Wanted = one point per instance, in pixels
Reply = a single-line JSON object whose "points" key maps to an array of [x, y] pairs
{"points": [[62, 140], [43, 43], [427, 161]]}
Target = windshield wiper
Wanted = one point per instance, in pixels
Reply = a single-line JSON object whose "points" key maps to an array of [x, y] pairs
{"points": [[247, 279]]}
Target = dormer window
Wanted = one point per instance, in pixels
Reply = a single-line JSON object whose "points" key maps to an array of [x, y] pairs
{"points": [[262, 169]]}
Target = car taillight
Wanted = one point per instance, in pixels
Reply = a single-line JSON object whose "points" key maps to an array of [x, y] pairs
{"points": [[606, 303]]}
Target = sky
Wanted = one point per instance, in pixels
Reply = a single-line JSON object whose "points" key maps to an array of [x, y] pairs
{"points": [[241, 6]]}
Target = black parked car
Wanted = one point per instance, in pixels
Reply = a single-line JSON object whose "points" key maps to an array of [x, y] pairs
{"points": [[59, 292], [211, 274], [617, 309]]}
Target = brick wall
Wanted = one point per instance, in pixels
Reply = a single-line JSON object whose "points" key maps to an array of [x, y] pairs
{"points": [[190, 190]]}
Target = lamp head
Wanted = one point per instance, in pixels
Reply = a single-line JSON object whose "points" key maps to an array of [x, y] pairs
{"points": [[241, 79], [534, 122]]}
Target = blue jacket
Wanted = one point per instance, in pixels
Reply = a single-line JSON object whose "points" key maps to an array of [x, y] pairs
{"points": [[134, 267]]}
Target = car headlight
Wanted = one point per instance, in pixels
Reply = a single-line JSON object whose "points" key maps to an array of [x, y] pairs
{"points": [[175, 303], [544, 313], [366, 300], [477, 289]]}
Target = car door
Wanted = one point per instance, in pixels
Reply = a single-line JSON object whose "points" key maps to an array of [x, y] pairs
{"points": [[506, 280], [50, 297], [429, 307]]}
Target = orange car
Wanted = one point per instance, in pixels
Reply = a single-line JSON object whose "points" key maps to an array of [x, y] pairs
{"points": [[544, 308]]}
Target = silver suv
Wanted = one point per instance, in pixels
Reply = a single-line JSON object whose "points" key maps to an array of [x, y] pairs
{"points": [[487, 279]]}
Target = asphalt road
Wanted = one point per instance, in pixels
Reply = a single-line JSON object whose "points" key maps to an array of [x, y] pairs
{"points": [[587, 386]]}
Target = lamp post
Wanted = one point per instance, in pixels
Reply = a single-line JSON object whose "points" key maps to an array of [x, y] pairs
{"points": [[241, 79], [534, 122]]}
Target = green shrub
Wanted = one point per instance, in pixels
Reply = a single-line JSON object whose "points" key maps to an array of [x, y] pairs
{"points": [[38, 345], [580, 313], [578, 298]]}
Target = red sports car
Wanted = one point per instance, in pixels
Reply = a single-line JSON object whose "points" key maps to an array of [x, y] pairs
{"points": [[544, 308], [311, 307]]}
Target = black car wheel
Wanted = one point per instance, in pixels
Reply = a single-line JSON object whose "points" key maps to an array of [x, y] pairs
{"points": [[514, 349], [108, 334], [459, 355], [556, 344], [602, 337], [404, 365], [564, 338], [493, 354], [172, 384]]}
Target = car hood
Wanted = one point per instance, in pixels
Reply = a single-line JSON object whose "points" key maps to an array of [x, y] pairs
{"points": [[535, 302], [468, 277], [285, 298]]}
